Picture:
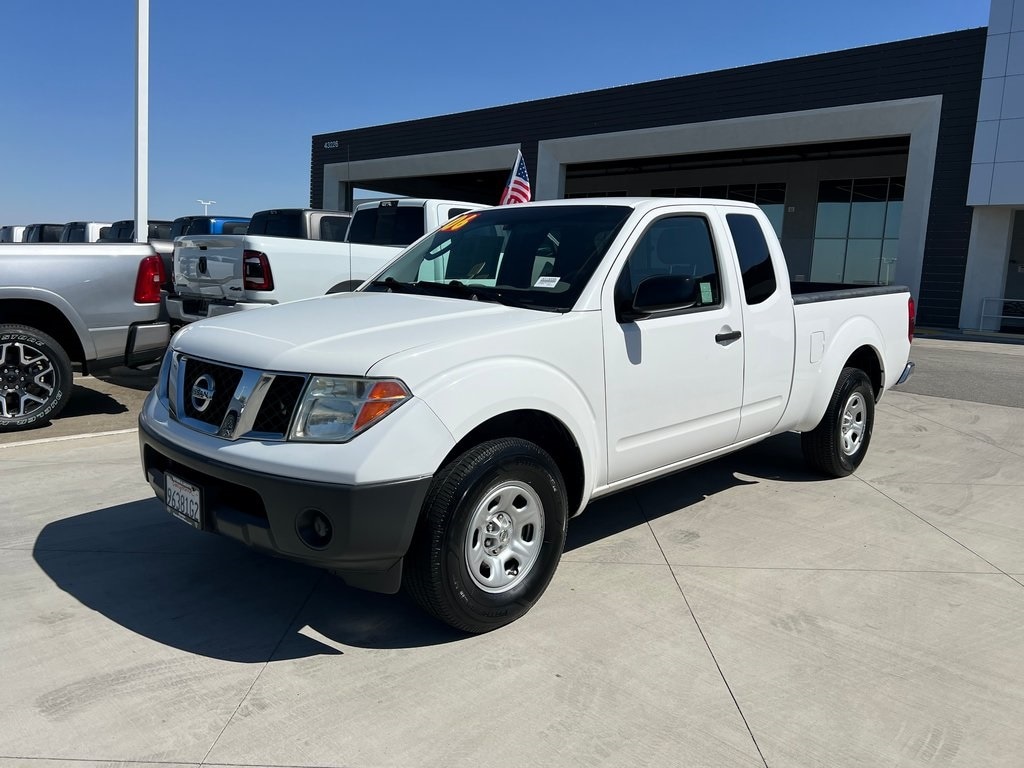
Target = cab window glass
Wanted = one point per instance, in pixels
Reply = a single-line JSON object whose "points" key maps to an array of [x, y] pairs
{"points": [[234, 227], [755, 260], [387, 224], [283, 223], [333, 228], [676, 245]]}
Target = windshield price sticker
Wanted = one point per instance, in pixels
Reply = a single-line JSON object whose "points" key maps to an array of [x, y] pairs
{"points": [[458, 222], [546, 282], [183, 500]]}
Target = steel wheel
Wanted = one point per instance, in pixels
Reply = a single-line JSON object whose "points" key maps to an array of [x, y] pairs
{"points": [[504, 537], [853, 423], [837, 446], [491, 535]]}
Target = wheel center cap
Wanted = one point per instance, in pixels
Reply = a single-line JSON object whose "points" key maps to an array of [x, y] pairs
{"points": [[499, 533]]}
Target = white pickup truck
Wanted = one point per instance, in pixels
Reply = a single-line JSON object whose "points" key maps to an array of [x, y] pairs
{"points": [[437, 427], [294, 254]]}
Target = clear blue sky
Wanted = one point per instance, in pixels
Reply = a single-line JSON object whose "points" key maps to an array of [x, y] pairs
{"points": [[237, 88]]}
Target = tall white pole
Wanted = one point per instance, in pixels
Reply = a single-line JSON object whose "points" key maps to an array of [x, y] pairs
{"points": [[142, 122]]}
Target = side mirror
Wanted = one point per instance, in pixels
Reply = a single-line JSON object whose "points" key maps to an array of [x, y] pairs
{"points": [[661, 294]]}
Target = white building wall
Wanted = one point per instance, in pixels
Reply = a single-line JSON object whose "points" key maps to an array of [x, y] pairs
{"points": [[997, 167]]}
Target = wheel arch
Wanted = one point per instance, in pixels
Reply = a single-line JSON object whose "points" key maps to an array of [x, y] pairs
{"points": [[856, 343], [542, 429], [867, 359], [45, 317]]}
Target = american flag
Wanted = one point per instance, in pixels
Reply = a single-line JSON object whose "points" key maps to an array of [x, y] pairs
{"points": [[518, 188]]}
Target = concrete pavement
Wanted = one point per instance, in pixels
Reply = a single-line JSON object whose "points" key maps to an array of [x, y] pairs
{"points": [[745, 613]]}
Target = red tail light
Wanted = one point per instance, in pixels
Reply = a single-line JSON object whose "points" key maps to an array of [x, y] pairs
{"points": [[256, 274], [148, 280], [911, 314]]}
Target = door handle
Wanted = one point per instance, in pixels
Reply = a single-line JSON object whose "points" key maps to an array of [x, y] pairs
{"points": [[725, 338]]}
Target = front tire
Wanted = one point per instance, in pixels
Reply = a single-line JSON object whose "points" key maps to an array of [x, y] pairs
{"points": [[35, 378], [837, 446], [491, 535]]}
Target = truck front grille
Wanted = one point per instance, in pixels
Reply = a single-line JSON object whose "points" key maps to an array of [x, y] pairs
{"points": [[198, 375], [278, 406], [235, 402]]}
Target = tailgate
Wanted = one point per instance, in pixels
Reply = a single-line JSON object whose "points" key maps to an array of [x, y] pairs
{"points": [[209, 266]]}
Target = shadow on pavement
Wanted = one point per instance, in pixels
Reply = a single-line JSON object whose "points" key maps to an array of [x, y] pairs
{"points": [[87, 402], [778, 458], [142, 379], [205, 594]]}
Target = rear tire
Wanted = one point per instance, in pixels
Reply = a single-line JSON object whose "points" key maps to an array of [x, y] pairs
{"points": [[35, 378], [491, 536], [837, 446]]}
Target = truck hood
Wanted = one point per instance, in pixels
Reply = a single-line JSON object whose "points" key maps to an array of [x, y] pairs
{"points": [[346, 333]]}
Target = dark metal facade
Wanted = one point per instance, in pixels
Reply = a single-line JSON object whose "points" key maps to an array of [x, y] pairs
{"points": [[949, 65]]}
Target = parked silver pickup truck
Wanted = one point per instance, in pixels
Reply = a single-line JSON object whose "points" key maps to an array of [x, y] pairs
{"points": [[87, 306]]}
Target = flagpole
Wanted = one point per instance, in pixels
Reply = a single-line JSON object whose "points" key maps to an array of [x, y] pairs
{"points": [[142, 121], [511, 177]]}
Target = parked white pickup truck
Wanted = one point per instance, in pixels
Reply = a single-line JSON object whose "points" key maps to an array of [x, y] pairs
{"points": [[289, 255], [439, 426]]}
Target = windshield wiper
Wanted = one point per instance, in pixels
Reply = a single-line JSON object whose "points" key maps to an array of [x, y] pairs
{"points": [[456, 289], [486, 293], [396, 286]]}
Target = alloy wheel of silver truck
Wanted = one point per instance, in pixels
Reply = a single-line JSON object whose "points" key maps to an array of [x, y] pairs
{"points": [[838, 444], [35, 377], [491, 535]]}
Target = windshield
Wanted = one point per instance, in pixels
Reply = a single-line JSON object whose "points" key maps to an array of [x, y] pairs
{"points": [[539, 257]]}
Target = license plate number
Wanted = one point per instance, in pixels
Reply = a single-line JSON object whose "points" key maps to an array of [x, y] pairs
{"points": [[184, 500]]}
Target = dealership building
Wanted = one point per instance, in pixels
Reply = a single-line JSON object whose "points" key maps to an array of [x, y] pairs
{"points": [[895, 163]]}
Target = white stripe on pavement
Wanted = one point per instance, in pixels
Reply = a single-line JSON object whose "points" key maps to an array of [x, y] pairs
{"points": [[68, 437]]}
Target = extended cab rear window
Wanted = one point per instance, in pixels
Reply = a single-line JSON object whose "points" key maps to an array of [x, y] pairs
{"points": [[397, 225], [755, 259], [277, 224]]}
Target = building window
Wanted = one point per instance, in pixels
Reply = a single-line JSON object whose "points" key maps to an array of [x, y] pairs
{"points": [[770, 197], [581, 195], [856, 231]]}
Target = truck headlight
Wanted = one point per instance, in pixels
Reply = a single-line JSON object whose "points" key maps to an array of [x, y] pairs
{"points": [[162, 378], [335, 409]]}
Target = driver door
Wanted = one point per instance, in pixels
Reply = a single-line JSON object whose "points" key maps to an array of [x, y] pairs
{"points": [[673, 381]]}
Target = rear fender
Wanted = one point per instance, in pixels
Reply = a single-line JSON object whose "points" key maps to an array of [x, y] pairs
{"points": [[57, 302], [813, 384]]}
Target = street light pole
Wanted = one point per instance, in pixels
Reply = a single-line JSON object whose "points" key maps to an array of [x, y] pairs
{"points": [[206, 205], [142, 121]]}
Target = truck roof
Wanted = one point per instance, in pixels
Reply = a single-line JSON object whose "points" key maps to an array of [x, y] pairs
{"points": [[413, 201], [644, 203]]}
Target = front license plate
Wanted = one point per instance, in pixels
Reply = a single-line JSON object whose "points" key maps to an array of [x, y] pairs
{"points": [[184, 500]]}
